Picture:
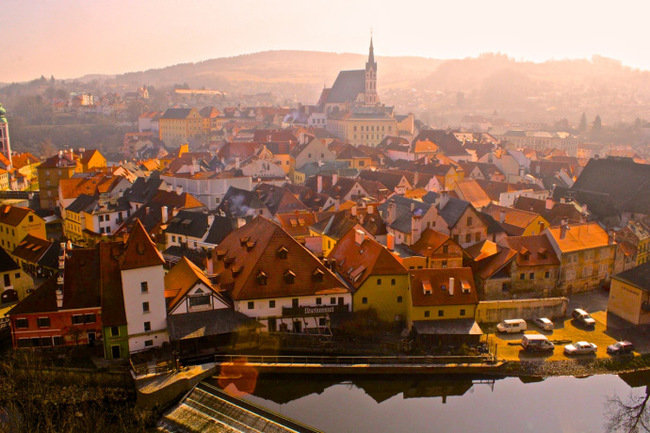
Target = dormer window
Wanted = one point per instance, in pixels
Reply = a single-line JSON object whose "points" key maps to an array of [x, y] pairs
{"points": [[465, 287], [236, 270], [244, 240], [282, 252], [261, 278], [289, 276], [426, 287], [228, 261], [221, 254], [317, 275], [250, 245]]}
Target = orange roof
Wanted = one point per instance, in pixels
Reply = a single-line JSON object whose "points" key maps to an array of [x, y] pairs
{"points": [[21, 160], [533, 250], [262, 251], [356, 262], [579, 237], [425, 146], [430, 287], [471, 191], [520, 219], [140, 251], [181, 278], [74, 187], [430, 241]]}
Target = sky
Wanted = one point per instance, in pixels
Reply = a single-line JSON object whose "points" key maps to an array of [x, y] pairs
{"points": [[69, 39]]}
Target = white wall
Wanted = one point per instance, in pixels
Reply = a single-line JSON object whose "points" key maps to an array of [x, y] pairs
{"points": [[133, 299], [183, 305]]}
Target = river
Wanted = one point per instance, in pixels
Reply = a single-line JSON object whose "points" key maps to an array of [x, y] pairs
{"points": [[449, 404]]}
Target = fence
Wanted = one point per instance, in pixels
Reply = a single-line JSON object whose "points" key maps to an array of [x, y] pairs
{"points": [[354, 360]]}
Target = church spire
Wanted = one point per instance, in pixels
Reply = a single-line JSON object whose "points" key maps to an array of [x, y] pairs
{"points": [[371, 56]]}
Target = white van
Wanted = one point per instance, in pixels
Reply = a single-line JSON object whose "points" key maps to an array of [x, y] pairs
{"points": [[536, 343], [512, 326]]}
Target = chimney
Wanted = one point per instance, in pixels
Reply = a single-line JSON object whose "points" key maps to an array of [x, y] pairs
{"points": [[335, 179], [236, 162], [443, 199], [416, 177], [451, 286], [390, 241], [549, 203], [371, 209], [611, 237], [210, 220], [179, 189], [353, 210], [502, 216], [210, 264], [391, 212], [319, 183], [563, 228], [164, 214], [359, 236]]}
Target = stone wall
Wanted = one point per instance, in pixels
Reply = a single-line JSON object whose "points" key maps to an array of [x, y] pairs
{"points": [[495, 311]]}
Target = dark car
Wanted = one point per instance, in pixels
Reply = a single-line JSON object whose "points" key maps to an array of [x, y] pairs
{"points": [[620, 347]]}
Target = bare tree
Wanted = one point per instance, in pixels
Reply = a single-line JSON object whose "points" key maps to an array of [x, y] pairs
{"points": [[629, 416]]}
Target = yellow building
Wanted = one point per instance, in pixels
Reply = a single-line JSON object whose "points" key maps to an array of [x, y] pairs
{"points": [[60, 166], [26, 164], [378, 279], [366, 126], [90, 159], [180, 124], [637, 235], [16, 223], [586, 254], [517, 222], [15, 284], [332, 229], [629, 295], [439, 250], [441, 294]]}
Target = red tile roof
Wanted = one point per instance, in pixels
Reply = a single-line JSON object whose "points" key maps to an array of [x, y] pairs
{"points": [[255, 252], [356, 262], [140, 251], [181, 278], [430, 287], [13, 215]]}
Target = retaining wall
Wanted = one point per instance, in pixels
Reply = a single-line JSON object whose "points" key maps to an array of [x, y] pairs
{"points": [[496, 311]]}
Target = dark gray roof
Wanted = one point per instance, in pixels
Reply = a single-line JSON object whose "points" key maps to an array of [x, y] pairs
{"points": [[81, 203], [237, 202], [6, 262], [448, 327], [220, 228], [445, 140], [205, 323], [188, 223], [638, 276], [143, 189], [404, 214], [336, 226], [176, 113], [453, 209], [347, 86]]}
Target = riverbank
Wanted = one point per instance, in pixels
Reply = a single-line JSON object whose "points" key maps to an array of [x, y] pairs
{"points": [[577, 367]]}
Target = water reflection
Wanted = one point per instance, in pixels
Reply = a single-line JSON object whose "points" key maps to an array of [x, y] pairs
{"points": [[632, 413]]}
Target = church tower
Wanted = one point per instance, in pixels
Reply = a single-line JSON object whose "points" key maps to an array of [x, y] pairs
{"points": [[5, 146], [371, 98]]}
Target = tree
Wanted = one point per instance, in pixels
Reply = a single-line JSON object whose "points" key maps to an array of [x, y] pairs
{"points": [[583, 123], [630, 416], [596, 128]]}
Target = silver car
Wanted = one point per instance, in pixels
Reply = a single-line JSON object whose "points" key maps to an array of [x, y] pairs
{"points": [[544, 323], [580, 348]]}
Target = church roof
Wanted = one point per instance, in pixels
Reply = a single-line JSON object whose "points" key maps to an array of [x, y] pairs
{"points": [[347, 86]]}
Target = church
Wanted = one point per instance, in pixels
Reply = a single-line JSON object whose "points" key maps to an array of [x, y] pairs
{"points": [[352, 108], [357, 88]]}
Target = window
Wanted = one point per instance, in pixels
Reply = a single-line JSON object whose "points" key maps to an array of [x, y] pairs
{"points": [[57, 340], [107, 218], [441, 313], [145, 307], [364, 300], [379, 281], [89, 318], [477, 237], [199, 300], [31, 218], [101, 218], [147, 326], [173, 238], [17, 275], [115, 331], [522, 276], [22, 323], [322, 321], [251, 305], [531, 276], [445, 249], [469, 221], [7, 280], [319, 301], [468, 238], [444, 264], [399, 299], [148, 343], [295, 303], [24, 342], [144, 287], [78, 319], [332, 301], [587, 271], [272, 304], [456, 238], [427, 313], [462, 311], [46, 341], [43, 322], [547, 274]]}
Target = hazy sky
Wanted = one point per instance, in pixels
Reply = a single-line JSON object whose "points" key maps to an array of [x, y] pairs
{"points": [[69, 39]]}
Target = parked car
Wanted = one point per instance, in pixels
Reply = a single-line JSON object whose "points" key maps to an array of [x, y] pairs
{"points": [[544, 323], [620, 347], [580, 348], [511, 326], [581, 316], [536, 343]]}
